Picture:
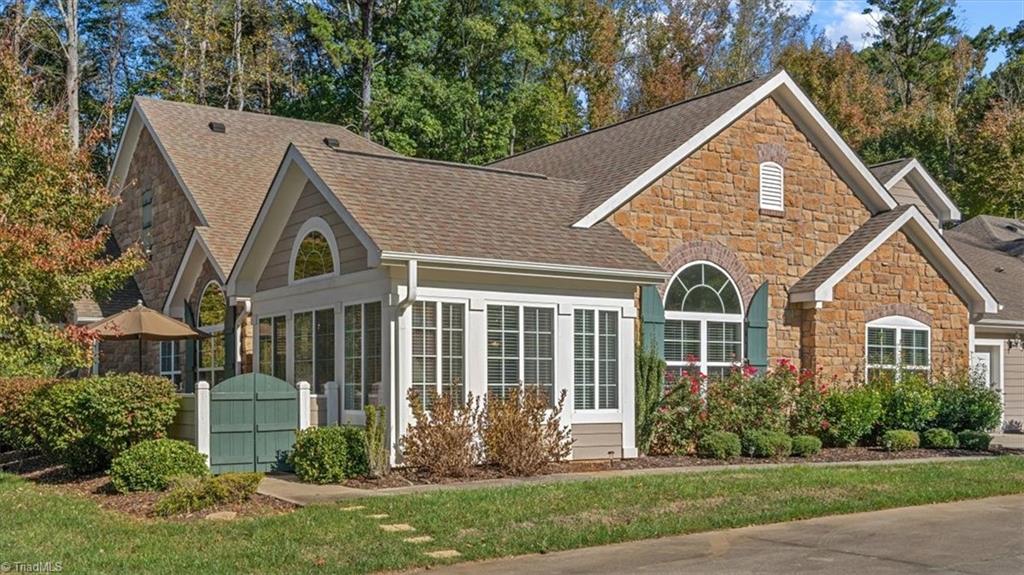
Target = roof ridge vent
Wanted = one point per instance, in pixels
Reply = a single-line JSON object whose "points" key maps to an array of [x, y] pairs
{"points": [[218, 127], [332, 143]]}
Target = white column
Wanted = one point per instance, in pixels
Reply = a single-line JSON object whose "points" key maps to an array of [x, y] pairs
{"points": [[203, 419], [627, 382], [303, 404], [331, 390]]}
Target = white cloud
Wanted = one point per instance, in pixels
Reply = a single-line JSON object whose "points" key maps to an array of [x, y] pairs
{"points": [[846, 18], [800, 7]]}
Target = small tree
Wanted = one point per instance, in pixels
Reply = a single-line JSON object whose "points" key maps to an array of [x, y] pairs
{"points": [[650, 377], [51, 251]]}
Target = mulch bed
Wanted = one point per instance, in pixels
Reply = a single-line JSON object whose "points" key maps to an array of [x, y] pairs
{"points": [[138, 505], [408, 477]]}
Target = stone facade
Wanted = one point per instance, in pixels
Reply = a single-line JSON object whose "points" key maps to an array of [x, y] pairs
{"points": [[894, 280], [707, 208]]}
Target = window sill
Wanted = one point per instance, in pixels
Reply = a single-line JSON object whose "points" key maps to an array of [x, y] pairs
{"points": [[772, 213]]}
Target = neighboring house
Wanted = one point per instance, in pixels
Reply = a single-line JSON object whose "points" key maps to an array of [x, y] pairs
{"points": [[993, 248], [733, 227]]}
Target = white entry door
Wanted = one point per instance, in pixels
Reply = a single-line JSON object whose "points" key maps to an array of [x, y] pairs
{"points": [[981, 364]]}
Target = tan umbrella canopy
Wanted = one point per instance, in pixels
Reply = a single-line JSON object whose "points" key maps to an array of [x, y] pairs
{"points": [[143, 324]]}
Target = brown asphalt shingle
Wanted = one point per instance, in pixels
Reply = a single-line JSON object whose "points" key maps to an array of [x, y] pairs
{"points": [[609, 158], [838, 257], [229, 174], [988, 248], [439, 208]]}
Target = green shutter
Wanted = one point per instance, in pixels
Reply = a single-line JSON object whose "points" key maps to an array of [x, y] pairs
{"points": [[757, 329], [652, 316], [229, 341], [189, 375]]}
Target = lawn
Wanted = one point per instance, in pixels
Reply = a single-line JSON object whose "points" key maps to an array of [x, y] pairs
{"points": [[39, 524]]}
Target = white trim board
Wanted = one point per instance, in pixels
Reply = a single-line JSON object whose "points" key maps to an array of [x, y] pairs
{"points": [[803, 112], [951, 212], [184, 264], [941, 256]]}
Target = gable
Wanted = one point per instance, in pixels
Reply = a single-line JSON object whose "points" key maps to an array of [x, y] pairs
{"points": [[906, 195], [311, 203]]}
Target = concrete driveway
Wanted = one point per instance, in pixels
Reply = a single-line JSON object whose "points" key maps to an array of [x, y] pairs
{"points": [[983, 536]]}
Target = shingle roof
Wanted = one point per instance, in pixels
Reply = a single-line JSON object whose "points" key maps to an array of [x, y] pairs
{"points": [[611, 157], [990, 250], [886, 170], [437, 208], [838, 257], [119, 300], [228, 174]]}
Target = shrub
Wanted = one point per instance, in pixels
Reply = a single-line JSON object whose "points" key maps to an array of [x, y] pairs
{"points": [[329, 454], [938, 438], [849, 415], [806, 445], [442, 438], [650, 373], [1013, 426], [907, 402], [764, 443], [739, 403], [974, 440], [376, 440], [149, 466], [964, 404], [522, 432], [15, 415], [189, 494], [719, 445], [900, 440], [85, 423]]}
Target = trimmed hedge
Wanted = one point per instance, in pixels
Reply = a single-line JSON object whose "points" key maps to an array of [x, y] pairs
{"points": [[900, 440], [329, 454], [963, 405], [15, 416], [85, 423], [907, 403], [150, 465], [806, 445], [190, 494], [938, 438], [764, 443], [974, 440], [719, 445], [850, 415]]}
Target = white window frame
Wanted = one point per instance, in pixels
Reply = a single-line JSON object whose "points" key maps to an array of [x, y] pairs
{"points": [[290, 352], [214, 331], [704, 318], [900, 324], [319, 225], [763, 202], [597, 359], [362, 387], [176, 358], [522, 344], [258, 354], [439, 331]]}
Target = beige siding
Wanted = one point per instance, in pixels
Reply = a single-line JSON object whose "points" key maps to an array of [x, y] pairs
{"points": [[905, 195], [184, 426], [1013, 386], [317, 411], [597, 441], [312, 203]]}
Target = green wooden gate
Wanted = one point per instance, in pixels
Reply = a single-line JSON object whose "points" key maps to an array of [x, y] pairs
{"points": [[253, 418]]}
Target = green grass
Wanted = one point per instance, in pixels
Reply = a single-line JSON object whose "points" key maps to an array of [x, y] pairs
{"points": [[39, 524]]}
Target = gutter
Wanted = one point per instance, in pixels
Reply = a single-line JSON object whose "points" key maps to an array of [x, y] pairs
{"points": [[512, 266], [412, 269]]}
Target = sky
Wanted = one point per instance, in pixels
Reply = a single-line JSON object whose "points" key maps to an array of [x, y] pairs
{"points": [[839, 18]]}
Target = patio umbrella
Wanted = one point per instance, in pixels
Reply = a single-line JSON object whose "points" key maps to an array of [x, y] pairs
{"points": [[143, 324]]}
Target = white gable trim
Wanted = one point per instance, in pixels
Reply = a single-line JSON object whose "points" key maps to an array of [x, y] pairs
{"points": [[948, 210], [933, 245], [126, 152], [186, 264], [795, 101], [292, 167]]}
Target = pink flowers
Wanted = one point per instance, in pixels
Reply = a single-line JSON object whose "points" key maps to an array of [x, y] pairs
{"points": [[825, 425], [749, 371]]}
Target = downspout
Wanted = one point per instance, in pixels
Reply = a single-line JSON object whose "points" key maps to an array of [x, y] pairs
{"points": [[412, 279]]}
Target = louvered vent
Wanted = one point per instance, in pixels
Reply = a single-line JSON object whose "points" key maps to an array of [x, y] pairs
{"points": [[771, 186]]}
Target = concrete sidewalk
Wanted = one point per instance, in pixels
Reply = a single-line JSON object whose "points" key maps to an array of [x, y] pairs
{"points": [[289, 488], [984, 536]]}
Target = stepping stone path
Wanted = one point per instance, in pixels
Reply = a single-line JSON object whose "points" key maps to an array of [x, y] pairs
{"points": [[443, 554], [396, 527], [352, 508], [419, 539], [377, 516], [222, 516]]}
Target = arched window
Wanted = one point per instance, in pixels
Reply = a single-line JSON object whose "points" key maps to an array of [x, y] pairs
{"points": [[315, 254], [897, 345], [212, 310], [703, 321]]}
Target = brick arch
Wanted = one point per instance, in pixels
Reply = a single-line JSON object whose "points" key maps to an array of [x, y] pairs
{"points": [[715, 253], [903, 309]]}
